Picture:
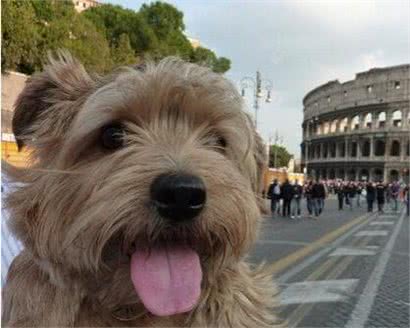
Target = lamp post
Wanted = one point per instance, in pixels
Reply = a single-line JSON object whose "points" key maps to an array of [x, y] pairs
{"points": [[257, 85]]}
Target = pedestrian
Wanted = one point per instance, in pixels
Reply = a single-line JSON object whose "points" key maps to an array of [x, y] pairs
{"points": [[287, 195], [406, 197], [370, 196], [352, 194], [340, 194], [308, 196], [274, 196], [359, 189], [296, 200], [395, 191], [380, 195], [318, 197]]}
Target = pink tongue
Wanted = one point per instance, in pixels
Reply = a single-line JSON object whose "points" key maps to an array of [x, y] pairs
{"points": [[167, 280]]}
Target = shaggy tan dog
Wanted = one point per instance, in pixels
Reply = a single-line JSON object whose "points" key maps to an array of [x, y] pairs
{"points": [[142, 203]]}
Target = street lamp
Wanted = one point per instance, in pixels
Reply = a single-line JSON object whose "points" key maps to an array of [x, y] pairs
{"points": [[257, 85]]}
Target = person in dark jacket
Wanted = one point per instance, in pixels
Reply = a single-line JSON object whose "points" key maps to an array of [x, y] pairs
{"points": [[352, 194], [340, 194], [274, 196], [296, 200], [318, 197], [308, 196], [287, 195], [380, 195], [406, 197], [370, 196]]}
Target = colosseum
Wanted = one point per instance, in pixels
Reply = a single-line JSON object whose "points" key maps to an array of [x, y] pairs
{"points": [[360, 129]]}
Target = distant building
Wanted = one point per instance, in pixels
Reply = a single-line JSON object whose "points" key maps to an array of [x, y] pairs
{"points": [[359, 129], [81, 5], [194, 42]]}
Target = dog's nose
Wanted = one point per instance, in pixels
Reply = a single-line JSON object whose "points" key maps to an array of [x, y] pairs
{"points": [[178, 197]]}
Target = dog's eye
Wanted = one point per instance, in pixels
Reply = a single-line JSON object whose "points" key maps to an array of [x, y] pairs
{"points": [[112, 136], [221, 142]]}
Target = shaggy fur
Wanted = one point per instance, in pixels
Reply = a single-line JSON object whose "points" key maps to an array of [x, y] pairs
{"points": [[80, 208]]}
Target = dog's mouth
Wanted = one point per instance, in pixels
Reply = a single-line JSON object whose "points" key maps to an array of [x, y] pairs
{"points": [[167, 278]]}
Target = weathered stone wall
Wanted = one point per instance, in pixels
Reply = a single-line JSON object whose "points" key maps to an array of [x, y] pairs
{"points": [[359, 129]]}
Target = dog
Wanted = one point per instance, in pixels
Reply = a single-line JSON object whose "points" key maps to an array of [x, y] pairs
{"points": [[141, 203]]}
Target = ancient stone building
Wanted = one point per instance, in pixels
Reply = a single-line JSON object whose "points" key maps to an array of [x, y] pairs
{"points": [[360, 129]]}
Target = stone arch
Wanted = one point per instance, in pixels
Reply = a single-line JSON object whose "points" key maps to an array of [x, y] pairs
{"points": [[342, 149], [332, 149], [377, 174], [343, 125], [394, 175], [326, 128], [381, 120], [332, 174], [368, 120], [408, 148], [325, 150], [351, 174], [395, 148], [353, 149], [355, 124], [406, 176], [364, 175], [379, 147], [333, 127], [341, 174], [366, 148], [397, 118]]}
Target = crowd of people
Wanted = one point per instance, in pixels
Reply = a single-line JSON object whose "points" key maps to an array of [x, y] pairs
{"points": [[286, 198]]}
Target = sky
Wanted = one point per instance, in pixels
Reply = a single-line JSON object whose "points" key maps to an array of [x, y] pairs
{"points": [[297, 45]]}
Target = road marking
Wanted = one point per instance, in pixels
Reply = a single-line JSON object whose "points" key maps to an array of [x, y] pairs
{"points": [[283, 242], [351, 251], [388, 216], [382, 223], [288, 260], [360, 222], [361, 312], [372, 233], [339, 266], [318, 291]]}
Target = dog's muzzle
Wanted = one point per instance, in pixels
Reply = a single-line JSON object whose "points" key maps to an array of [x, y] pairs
{"points": [[179, 197]]}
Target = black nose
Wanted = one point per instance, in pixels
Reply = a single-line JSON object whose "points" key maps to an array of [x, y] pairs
{"points": [[178, 197]]}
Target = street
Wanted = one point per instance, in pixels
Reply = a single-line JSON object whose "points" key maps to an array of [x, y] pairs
{"points": [[346, 269]]}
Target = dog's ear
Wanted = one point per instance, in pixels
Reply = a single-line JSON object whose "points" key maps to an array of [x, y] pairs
{"points": [[46, 104]]}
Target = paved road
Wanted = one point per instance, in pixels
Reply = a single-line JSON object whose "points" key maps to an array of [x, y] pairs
{"points": [[346, 269]]}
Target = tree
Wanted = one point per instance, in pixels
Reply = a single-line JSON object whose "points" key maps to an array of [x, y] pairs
{"points": [[281, 154], [123, 54], [115, 21], [19, 37]]}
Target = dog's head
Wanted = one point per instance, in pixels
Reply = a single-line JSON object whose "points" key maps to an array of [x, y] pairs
{"points": [[147, 179]]}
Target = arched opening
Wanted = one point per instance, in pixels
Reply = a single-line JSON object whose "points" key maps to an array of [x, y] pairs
{"points": [[324, 174], [355, 123], [332, 174], [394, 175], [342, 149], [351, 174], [325, 150], [381, 120], [406, 176], [353, 149], [318, 152], [332, 150], [379, 148], [395, 148], [341, 174], [326, 128], [408, 149], [396, 118], [333, 127], [378, 175], [366, 148], [368, 121], [364, 175], [343, 125]]}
